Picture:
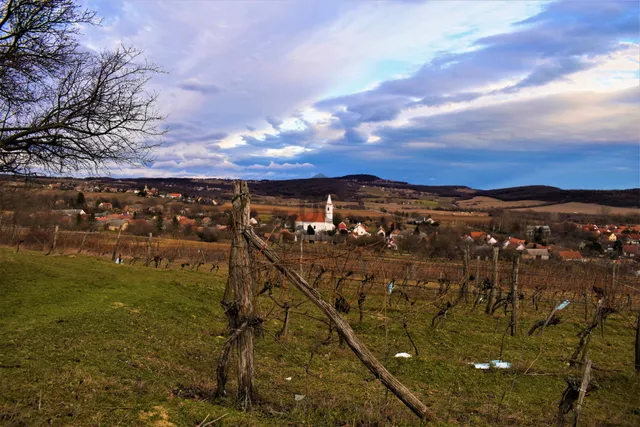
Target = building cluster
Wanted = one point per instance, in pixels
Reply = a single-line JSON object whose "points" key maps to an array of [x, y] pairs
{"points": [[620, 242]]}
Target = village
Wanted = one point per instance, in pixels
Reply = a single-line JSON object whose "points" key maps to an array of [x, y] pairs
{"points": [[140, 211]]}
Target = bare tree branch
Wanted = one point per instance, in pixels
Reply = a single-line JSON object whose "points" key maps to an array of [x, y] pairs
{"points": [[65, 109]]}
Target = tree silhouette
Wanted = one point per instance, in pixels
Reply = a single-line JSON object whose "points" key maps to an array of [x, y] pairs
{"points": [[63, 108]]}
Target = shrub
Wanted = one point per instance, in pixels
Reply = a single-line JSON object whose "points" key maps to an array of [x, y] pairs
{"points": [[208, 235]]}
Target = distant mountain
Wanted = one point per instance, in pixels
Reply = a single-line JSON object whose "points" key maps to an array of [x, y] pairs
{"points": [[361, 177], [319, 175], [621, 198]]}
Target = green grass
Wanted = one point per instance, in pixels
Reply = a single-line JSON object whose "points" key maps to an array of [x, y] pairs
{"points": [[427, 203], [86, 342]]}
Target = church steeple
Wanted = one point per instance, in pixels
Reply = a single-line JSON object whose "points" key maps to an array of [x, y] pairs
{"points": [[328, 212]]}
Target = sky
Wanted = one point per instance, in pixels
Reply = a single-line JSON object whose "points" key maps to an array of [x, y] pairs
{"points": [[487, 94]]}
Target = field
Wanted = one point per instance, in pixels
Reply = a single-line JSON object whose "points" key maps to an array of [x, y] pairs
{"points": [[483, 202], [583, 208], [86, 342]]}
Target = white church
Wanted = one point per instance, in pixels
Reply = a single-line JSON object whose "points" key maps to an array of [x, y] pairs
{"points": [[319, 221]]}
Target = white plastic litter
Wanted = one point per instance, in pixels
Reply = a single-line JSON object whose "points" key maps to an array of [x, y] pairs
{"points": [[496, 364], [299, 397], [405, 355], [288, 378]]}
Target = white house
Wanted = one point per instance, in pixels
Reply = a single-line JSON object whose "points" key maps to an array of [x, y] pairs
{"points": [[360, 230], [319, 221]]}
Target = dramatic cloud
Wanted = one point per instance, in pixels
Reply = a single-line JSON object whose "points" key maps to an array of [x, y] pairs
{"points": [[461, 89]]}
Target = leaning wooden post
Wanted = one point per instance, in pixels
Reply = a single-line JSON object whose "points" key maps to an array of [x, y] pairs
{"points": [[494, 284], [84, 239], [358, 347], [638, 345], [549, 317], [514, 295], [115, 247], [301, 250], [464, 289], [240, 280], [149, 244], [55, 240], [586, 303], [584, 386]]}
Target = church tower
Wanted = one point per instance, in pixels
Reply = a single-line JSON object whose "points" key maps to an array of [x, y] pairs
{"points": [[328, 212]]}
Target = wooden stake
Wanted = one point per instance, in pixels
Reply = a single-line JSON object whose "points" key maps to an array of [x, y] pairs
{"points": [[584, 385], [586, 303], [638, 345], [55, 240], [492, 291], [546, 322], [464, 289], [149, 243], [84, 239], [514, 295], [115, 247]]}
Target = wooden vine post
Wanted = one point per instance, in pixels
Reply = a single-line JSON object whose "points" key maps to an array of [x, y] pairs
{"points": [[115, 247], [149, 244], [584, 387], [494, 282], [241, 284], [464, 289], [514, 295], [84, 239], [638, 345], [55, 240]]}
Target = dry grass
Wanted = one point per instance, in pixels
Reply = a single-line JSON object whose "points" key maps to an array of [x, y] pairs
{"points": [[483, 202]]}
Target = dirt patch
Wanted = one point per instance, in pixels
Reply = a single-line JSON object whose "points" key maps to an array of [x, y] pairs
{"points": [[196, 392], [157, 417]]}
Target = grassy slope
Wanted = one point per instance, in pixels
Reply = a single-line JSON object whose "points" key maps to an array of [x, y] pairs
{"points": [[99, 344]]}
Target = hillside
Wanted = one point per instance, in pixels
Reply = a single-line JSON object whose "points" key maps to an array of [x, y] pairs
{"points": [[345, 188], [619, 198]]}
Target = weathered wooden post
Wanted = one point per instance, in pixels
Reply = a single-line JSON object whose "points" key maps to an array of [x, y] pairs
{"points": [[84, 239], [584, 386], [494, 284], [464, 289], [240, 280], [115, 247], [149, 244], [514, 295], [301, 250], [586, 303], [638, 345], [55, 240]]}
